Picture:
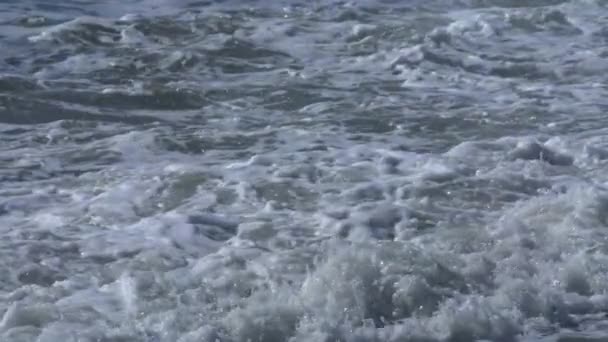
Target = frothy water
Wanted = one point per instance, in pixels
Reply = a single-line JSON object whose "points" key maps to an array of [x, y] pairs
{"points": [[303, 171]]}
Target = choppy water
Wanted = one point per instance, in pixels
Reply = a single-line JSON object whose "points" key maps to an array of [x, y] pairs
{"points": [[179, 170]]}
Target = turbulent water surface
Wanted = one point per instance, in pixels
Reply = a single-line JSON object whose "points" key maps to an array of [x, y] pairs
{"points": [[268, 171]]}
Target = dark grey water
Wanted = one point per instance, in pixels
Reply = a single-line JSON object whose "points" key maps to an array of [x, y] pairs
{"points": [[303, 171]]}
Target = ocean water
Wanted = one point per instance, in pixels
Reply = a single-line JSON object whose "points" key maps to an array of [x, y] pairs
{"points": [[269, 171]]}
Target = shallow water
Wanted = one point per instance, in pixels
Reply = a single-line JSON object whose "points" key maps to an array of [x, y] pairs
{"points": [[303, 171]]}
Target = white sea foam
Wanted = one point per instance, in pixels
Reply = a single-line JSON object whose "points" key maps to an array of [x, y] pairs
{"points": [[369, 171]]}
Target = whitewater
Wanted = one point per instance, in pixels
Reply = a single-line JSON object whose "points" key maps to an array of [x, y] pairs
{"points": [[269, 171]]}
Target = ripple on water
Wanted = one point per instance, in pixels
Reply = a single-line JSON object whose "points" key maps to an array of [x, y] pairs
{"points": [[329, 171]]}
